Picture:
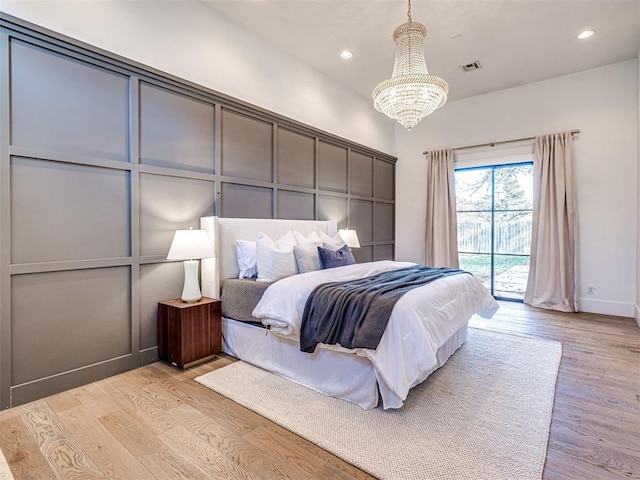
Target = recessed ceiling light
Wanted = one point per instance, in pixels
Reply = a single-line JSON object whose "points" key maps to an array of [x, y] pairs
{"points": [[346, 54], [585, 34]]}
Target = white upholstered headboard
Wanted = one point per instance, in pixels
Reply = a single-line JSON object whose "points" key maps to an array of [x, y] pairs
{"points": [[223, 233]]}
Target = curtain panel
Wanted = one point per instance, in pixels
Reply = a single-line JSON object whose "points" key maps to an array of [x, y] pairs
{"points": [[552, 274], [441, 239]]}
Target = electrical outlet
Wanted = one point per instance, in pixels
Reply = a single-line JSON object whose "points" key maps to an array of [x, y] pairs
{"points": [[591, 289]]}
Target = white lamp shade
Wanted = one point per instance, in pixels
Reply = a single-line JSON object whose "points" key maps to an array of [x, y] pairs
{"points": [[190, 245], [350, 237]]}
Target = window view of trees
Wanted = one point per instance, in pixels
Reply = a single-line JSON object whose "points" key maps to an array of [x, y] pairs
{"points": [[494, 209]]}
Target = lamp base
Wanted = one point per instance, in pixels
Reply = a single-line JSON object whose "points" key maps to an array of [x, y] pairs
{"points": [[191, 291]]}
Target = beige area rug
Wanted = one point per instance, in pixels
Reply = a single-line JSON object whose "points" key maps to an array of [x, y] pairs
{"points": [[484, 415]]}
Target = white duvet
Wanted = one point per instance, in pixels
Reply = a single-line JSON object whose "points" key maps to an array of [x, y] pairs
{"points": [[420, 323]]}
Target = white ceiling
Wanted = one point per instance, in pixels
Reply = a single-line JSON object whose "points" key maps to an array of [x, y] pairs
{"points": [[515, 41]]}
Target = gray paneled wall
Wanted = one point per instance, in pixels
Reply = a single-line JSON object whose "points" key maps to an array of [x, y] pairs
{"points": [[55, 100], [102, 160], [176, 131]]}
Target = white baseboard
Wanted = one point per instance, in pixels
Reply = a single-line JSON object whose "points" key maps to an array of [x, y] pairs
{"points": [[637, 314], [605, 307]]}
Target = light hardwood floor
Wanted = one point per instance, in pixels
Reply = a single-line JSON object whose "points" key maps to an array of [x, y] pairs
{"points": [[156, 422]]}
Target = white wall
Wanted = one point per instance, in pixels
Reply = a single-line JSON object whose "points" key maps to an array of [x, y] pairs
{"points": [[190, 40], [603, 104], [637, 309]]}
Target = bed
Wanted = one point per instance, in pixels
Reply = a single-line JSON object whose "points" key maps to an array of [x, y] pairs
{"points": [[427, 325]]}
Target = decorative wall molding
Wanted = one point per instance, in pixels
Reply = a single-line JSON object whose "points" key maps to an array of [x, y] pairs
{"points": [[101, 160]]}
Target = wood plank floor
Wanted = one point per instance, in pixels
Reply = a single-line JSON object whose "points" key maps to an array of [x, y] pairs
{"points": [[157, 423]]}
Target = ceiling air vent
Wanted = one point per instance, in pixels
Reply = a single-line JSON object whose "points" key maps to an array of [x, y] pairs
{"points": [[471, 66]]}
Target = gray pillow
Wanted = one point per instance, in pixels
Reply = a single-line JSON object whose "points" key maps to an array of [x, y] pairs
{"points": [[307, 259], [335, 258]]}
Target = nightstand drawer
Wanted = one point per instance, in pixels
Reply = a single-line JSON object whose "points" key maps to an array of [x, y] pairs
{"points": [[189, 333]]}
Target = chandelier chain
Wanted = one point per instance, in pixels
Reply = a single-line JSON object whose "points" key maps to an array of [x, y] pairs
{"points": [[409, 11]]}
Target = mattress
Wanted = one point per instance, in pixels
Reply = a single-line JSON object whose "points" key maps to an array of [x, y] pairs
{"points": [[240, 296]]}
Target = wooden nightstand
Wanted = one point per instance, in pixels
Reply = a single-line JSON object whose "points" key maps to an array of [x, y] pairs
{"points": [[189, 333]]}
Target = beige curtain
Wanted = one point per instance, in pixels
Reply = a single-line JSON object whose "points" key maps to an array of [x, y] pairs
{"points": [[441, 243], [552, 278]]}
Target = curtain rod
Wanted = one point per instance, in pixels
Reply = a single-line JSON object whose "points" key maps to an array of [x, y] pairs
{"points": [[493, 144]]}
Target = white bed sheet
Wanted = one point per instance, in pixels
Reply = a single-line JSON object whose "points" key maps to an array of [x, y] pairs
{"points": [[345, 376], [420, 323], [338, 374]]}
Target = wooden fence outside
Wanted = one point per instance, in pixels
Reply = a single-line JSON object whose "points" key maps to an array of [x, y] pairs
{"points": [[510, 237]]}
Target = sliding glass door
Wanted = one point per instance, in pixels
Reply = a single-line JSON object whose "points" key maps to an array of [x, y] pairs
{"points": [[494, 208]]}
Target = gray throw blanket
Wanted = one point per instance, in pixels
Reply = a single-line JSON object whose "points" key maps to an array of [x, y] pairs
{"points": [[355, 313]]}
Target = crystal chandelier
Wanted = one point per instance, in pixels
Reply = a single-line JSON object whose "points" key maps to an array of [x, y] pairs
{"points": [[411, 93]]}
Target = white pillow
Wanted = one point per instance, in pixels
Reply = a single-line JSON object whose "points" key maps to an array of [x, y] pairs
{"points": [[312, 238], [333, 243], [247, 260], [275, 259]]}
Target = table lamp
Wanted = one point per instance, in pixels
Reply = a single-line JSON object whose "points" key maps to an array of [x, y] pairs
{"points": [[190, 245], [350, 237]]}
